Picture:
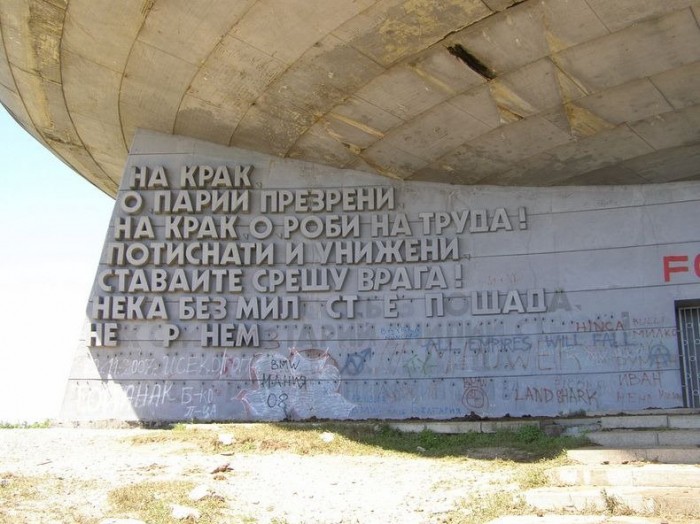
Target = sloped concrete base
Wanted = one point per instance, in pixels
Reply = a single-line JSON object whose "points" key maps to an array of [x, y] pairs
{"points": [[666, 455], [642, 500], [668, 475]]}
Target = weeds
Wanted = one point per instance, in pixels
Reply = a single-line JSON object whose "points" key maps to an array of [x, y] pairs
{"points": [[484, 508], [26, 425], [13, 487], [26, 495], [152, 502], [534, 476], [614, 506], [527, 444]]}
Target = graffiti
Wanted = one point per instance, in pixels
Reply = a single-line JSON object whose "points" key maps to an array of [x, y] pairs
{"points": [[233, 364], [355, 362], [611, 339], [659, 321], [417, 365], [660, 356], [600, 325], [475, 396], [566, 395], [643, 378], [680, 264], [277, 401], [674, 396], [506, 343], [561, 341], [657, 332], [641, 357], [143, 394], [343, 336], [171, 365], [271, 339], [101, 397], [439, 391], [400, 332], [302, 385], [432, 369], [199, 402], [632, 398]]}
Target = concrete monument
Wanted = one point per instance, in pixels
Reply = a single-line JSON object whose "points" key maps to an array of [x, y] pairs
{"points": [[239, 286]]}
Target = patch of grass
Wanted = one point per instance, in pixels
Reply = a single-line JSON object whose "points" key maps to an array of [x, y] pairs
{"points": [[13, 488], [529, 434], [205, 440], [152, 502], [671, 513], [21, 496], [527, 444], [26, 425], [484, 508], [534, 475]]}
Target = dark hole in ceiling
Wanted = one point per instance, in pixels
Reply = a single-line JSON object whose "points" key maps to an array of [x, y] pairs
{"points": [[472, 62]]}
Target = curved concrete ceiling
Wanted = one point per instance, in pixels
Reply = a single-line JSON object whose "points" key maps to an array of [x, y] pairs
{"points": [[537, 92]]}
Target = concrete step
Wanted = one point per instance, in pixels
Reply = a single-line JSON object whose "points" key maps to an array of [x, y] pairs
{"points": [[640, 438], [673, 419], [458, 427], [657, 475], [676, 501], [665, 455], [575, 519], [662, 421]]}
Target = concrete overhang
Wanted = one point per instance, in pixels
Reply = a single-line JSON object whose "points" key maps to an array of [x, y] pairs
{"points": [[531, 93]]}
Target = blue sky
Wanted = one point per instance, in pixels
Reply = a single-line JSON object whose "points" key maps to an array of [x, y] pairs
{"points": [[52, 225]]}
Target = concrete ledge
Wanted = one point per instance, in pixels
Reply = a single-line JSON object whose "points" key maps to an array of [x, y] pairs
{"points": [[486, 426], [491, 426], [684, 422], [679, 437], [550, 519], [437, 427], [624, 439], [651, 475], [575, 519], [635, 422], [646, 412], [667, 455], [672, 500]]}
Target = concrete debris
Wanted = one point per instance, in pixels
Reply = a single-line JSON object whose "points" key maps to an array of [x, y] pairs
{"points": [[184, 512], [222, 468], [199, 492], [202, 492], [226, 439]]}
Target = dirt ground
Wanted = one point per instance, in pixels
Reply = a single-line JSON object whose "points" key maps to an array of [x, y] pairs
{"points": [[78, 468]]}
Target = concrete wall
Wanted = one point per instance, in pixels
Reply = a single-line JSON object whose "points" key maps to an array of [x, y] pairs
{"points": [[493, 301]]}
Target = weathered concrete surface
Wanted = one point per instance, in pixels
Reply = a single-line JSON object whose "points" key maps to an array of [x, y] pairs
{"points": [[486, 426], [669, 475], [638, 499], [646, 438], [436, 303], [574, 519], [553, 92], [622, 455]]}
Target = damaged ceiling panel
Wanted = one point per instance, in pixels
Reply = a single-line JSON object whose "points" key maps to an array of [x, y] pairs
{"points": [[506, 92]]}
